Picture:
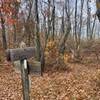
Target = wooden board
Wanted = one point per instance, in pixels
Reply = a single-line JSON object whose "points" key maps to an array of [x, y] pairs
{"points": [[34, 67], [20, 53]]}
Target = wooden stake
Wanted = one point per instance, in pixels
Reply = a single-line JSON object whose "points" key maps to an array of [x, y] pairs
{"points": [[25, 79]]}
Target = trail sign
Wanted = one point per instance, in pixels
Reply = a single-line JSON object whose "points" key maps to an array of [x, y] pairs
{"points": [[22, 54]]}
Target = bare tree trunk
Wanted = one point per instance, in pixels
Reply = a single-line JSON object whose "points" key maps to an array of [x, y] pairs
{"points": [[40, 50], [3, 32], [88, 19], [91, 36], [15, 16], [49, 21], [76, 34], [53, 20], [38, 45], [28, 20], [76, 52], [65, 36], [81, 20], [14, 38], [63, 24], [76, 38]]}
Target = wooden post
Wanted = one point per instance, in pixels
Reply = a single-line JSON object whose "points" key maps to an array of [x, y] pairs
{"points": [[25, 79]]}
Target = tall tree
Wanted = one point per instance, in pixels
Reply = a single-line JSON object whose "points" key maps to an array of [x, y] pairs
{"points": [[38, 45], [3, 31], [65, 36], [49, 19], [88, 19], [76, 38], [40, 50], [53, 20], [81, 20]]}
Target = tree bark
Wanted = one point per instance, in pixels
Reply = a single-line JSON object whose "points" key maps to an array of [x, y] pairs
{"points": [[40, 50], [65, 36], [53, 20], [3, 32]]}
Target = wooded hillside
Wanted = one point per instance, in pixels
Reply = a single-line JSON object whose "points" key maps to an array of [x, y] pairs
{"points": [[65, 35]]}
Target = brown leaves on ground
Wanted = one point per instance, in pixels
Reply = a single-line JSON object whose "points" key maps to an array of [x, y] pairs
{"points": [[70, 81], [79, 83], [10, 84]]}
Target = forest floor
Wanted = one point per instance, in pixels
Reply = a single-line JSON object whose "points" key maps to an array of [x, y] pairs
{"points": [[73, 81]]}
